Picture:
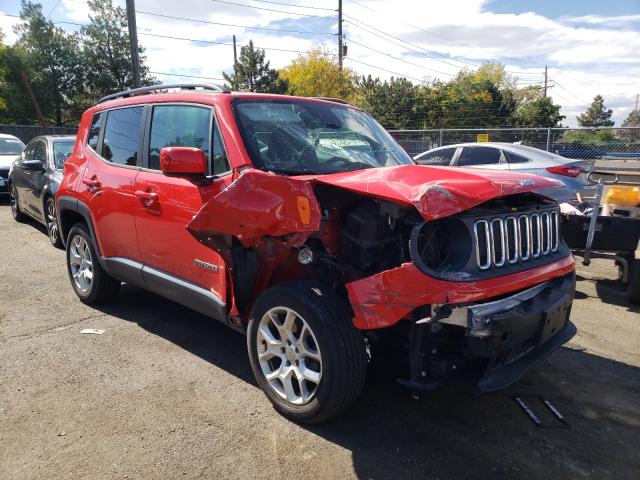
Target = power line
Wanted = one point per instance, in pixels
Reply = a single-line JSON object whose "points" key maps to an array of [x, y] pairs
{"points": [[297, 6], [211, 42], [399, 59], [234, 25], [269, 9], [437, 35], [398, 39], [54, 7], [186, 76], [400, 75]]}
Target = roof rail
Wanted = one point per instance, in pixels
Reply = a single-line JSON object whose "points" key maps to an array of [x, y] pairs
{"points": [[158, 88], [335, 100]]}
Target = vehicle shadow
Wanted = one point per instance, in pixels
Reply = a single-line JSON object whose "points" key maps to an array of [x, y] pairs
{"points": [[614, 292], [393, 432]]}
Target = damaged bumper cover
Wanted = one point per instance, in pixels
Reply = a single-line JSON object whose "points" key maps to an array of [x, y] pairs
{"points": [[503, 338]]}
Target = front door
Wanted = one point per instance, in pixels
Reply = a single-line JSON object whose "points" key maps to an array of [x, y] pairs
{"points": [[165, 205], [109, 179], [32, 181]]}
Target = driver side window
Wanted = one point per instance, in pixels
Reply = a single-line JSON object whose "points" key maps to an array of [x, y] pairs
{"points": [[179, 126]]}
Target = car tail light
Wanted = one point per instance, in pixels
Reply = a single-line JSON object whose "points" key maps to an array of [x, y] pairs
{"points": [[566, 171]]}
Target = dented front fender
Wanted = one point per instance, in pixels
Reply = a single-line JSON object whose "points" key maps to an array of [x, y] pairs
{"points": [[260, 204]]}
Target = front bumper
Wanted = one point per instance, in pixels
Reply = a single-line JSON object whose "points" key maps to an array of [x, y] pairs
{"points": [[502, 339]]}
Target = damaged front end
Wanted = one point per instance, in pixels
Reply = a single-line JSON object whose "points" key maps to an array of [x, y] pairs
{"points": [[471, 285], [488, 346]]}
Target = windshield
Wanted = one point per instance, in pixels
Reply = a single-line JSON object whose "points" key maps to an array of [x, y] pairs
{"points": [[11, 146], [298, 137], [61, 151]]}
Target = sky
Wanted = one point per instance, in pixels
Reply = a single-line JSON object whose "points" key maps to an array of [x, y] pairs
{"points": [[589, 47]]}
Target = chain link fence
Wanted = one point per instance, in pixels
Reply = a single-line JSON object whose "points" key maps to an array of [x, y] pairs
{"points": [[27, 132], [614, 148]]}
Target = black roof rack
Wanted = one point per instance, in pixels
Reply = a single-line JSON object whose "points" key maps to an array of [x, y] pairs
{"points": [[335, 100], [159, 88]]}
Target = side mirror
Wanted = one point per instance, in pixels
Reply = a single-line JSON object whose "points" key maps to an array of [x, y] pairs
{"points": [[183, 162], [33, 165]]}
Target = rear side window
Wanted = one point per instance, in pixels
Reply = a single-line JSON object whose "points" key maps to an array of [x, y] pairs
{"points": [[94, 131], [514, 157], [61, 151], [121, 136], [440, 157], [179, 126], [40, 152], [479, 156]]}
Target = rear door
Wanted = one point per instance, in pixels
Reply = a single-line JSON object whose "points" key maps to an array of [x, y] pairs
{"points": [[165, 205], [482, 157], [114, 145]]}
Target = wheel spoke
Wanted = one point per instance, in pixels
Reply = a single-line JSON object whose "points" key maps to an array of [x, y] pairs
{"points": [[307, 374], [287, 384], [299, 371]]}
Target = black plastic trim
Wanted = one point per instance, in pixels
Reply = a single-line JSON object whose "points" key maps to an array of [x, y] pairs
{"points": [[184, 293]]}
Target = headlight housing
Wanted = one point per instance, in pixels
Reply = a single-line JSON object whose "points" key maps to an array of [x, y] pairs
{"points": [[441, 247]]}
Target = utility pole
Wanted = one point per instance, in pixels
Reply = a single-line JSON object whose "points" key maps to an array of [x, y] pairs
{"points": [[235, 53], [340, 33], [545, 81], [637, 95], [133, 42], [234, 86]]}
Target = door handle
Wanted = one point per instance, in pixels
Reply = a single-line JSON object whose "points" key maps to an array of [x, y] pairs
{"points": [[146, 197], [91, 182]]}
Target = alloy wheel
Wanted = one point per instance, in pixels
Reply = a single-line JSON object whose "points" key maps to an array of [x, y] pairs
{"points": [[52, 221], [289, 355], [81, 263]]}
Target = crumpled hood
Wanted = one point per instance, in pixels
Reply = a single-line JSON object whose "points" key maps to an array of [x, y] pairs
{"points": [[435, 191]]}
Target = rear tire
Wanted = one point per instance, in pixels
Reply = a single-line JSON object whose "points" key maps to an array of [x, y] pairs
{"points": [[51, 219], [91, 282], [317, 367], [633, 289], [18, 216]]}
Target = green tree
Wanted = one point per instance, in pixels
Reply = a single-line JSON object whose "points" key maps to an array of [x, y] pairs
{"points": [[18, 73], [107, 53], [632, 120], [596, 115], [317, 74], [252, 73], [535, 110], [55, 55], [469, 100], [396, 104]]}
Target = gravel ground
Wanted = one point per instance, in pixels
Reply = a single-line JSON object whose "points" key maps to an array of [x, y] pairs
{"points": [[168, 393]]}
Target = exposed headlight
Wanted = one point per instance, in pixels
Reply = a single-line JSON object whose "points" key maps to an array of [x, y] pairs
{"points": [[441, 246]]}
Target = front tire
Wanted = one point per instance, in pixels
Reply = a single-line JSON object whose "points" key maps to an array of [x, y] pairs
{"points": [[305, 353], [18, 216], [52, 222], [91, 282]]}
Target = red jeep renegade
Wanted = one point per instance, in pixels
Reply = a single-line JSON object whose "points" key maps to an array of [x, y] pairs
{"points": [[302, 223]]}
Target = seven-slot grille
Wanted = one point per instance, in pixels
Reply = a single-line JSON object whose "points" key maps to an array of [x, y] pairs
{"points": [[516, 238]]}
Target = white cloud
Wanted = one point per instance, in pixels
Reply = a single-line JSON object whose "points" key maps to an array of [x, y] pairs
{"points": [[587, 55], [6, 25], [620, 20]]}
